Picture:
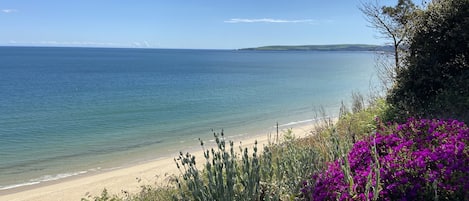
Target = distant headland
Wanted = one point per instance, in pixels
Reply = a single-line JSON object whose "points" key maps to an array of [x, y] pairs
{"points": [[336, 47]]}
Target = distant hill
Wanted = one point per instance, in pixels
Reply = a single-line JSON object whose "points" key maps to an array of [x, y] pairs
{"points": [[340, 47]]}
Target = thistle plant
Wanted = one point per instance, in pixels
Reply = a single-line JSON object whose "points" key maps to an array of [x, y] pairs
{"points": [[276, 173], [224, 175]]}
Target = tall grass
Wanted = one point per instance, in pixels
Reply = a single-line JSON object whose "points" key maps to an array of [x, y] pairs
{"points": [[146, 193], [277, 171]]}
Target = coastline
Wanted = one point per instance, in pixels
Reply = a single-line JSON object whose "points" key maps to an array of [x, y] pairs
{"points": [[130, 178], [69, 124]]}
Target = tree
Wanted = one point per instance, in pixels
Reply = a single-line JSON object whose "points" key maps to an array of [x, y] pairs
{"points": [[395, 24], [436, 81]]}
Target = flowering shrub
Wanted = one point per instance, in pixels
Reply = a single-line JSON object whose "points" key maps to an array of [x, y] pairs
{"points": [[419, 160]]}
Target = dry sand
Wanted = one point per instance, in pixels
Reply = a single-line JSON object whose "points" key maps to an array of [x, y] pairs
{"points": [[128, 178]]}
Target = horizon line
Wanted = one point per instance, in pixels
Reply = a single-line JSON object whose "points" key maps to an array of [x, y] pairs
{"points": [[124, 47]]}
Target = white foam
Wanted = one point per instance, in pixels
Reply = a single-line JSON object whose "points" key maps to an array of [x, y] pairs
{"points": [[296, 122], [18, 185], [46, 178], [302, 121], [57, 177], [236, 136]]}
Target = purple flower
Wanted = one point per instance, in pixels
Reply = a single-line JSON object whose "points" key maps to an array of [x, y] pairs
{"points": [[413, 157]]}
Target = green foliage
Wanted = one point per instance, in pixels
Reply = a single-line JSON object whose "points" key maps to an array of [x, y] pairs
{"points": [[293, 161], [354, 125], [152, 193], [361, 121], [105, 196], [147, 193], [401, 13], [276, 174], [435, 83], [224, 176]]}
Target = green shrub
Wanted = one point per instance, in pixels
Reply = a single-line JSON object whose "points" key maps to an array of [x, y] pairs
{"points": [[224, 177], [435, 83], [361, 121], [293, 160], [275, 174], [278, 172], [105, 196], [147, 193]]}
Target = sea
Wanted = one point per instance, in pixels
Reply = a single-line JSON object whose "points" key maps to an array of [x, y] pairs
{"points": [[73, 111]]}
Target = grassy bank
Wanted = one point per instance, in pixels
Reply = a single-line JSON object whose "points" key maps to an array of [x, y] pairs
{"points": [[277, 171], [356, 158], [383, 149]]}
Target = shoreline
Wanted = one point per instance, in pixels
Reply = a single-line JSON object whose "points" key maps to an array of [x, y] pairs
{"points": [[130, 177]]}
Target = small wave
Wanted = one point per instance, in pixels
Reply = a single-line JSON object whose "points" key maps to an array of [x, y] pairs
{"points": [[303, 121], [232, 136], [237, 136], [47, 178], [297, 122], [18, 185], [57, 176]]}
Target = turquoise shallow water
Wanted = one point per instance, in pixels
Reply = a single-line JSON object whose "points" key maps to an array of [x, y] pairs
{"points": [[68, 111]]}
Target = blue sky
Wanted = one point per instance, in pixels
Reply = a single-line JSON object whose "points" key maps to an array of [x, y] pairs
{"points": [[197, 24]]}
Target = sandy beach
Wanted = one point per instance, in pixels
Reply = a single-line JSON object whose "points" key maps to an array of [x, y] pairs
{"points": [[124, 179], [74, 120]]}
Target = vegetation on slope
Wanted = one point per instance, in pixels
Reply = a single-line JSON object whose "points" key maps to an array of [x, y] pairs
{"points": [[435, 83], [361, 157]]}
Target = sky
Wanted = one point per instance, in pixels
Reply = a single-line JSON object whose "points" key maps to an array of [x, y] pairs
{"points": [[188, 24]]}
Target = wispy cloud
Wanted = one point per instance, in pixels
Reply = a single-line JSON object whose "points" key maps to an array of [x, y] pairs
{"points": [[269, 20], [9, 11], [143, 44]]}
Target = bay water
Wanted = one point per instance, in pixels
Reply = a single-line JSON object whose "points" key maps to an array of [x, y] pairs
{"points": [[71, 111]]}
